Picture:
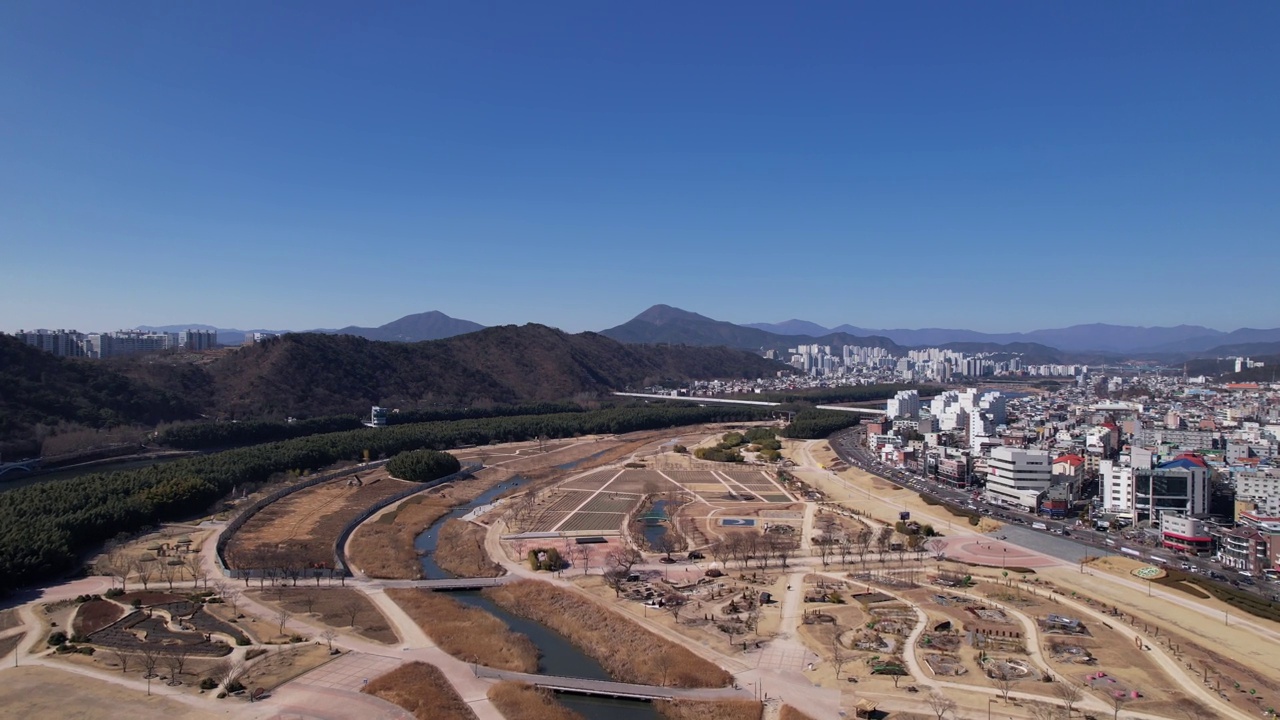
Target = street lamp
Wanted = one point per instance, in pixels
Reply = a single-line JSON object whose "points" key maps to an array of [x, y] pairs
{"points": [[990, 702]]}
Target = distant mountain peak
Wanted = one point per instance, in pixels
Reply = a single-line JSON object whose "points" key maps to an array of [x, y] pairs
{"points": [[663, 314]]}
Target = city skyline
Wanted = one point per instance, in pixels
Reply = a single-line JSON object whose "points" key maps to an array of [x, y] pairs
{"points": [[999, 169]]}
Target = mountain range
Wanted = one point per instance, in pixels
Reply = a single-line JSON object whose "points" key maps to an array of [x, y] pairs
{"points": [[432, 325], [1095, 337], [308, 375], [663, 324]]}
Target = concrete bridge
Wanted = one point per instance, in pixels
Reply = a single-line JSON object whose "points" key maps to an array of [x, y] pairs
{"points": [[462, 583], [22, 466], [752, 403], [605, 688]]}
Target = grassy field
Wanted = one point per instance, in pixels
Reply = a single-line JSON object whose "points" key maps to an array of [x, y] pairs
{"points": [[627, 651], [284, 664], [467, 633], [710, 709], [460, 550], [335, 607], [383, 548], [307, 523], [38, 692], [423, 690], [526, 702]]}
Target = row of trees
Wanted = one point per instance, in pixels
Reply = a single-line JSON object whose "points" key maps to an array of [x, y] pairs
{"points": [[205, 436], [813, 424], [45, 527]]}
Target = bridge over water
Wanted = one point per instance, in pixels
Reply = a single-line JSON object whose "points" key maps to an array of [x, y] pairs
{"points": [[605, 688], [25, 466]]}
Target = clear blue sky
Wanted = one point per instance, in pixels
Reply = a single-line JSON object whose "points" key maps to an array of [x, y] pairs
{"points": [[991, 165]]}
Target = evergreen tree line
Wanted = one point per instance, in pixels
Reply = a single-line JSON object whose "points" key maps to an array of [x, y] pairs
{"points": [[423, 465], [208, 436], [811, 424], [45, 527]]}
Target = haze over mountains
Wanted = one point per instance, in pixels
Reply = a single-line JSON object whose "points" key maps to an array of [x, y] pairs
{"points": [[666, 324], [1095, 337]]}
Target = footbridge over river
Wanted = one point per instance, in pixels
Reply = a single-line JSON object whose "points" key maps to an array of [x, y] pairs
{"points": [[605, 688], [24, 466]]}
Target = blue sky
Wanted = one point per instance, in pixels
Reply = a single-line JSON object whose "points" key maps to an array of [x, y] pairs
{"points": [[992, 165]]}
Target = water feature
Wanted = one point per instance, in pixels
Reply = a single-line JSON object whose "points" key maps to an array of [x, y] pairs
{"points": [[556, 655], [656, 523]]}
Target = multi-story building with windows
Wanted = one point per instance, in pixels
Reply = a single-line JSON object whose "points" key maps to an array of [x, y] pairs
{"points": [[1017, 477], [1178, 486]]}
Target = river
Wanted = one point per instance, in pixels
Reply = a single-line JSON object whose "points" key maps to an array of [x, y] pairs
{"points": [[556, 655]]}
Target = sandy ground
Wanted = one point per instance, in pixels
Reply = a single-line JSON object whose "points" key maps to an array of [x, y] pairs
{"points": [[36, 692]]}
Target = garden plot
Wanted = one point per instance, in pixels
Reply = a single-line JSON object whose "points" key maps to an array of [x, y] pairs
{"points": [[547, 521], [642, 481], [592, 521], [695, 477], [611, 503], [566, 501], [591, 481]]}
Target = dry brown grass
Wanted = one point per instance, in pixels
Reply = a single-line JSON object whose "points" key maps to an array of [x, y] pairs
{"points": [[526, 702], [460, 550], [627, 651], [422, 690], [283, 664], [307, 523], [467, 633], [335, 607], [9, 619], [95, 615], [710, 709], [383, 548], [7, 644], [790, 713]]}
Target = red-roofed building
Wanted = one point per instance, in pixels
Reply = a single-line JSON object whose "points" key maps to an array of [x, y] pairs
{"points": [[1072, 465]]}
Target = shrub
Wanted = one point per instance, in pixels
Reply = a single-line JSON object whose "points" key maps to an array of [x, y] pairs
{"points": [[113, 593], [57, 638], [545, 559], [235, 686], [85, 650], [242, 640], [208, 684]]}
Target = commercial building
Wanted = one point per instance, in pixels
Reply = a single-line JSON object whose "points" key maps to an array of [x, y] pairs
{"points": [[1018, 477], [1179, 486], [1185, 534]]}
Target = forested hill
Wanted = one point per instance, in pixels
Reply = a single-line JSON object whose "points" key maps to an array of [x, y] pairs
{"points": [[39, 390], [306, 375]]}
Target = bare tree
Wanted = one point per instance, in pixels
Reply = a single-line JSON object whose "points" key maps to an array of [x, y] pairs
{"points": [[116, 565], [783, 548], [719, 552], [143, 569], [328, 636], [150, 658], [1004, 683], [618, 564], [1118, 701], [122, 658], [282, 617], [667, 543], [309, 599], [864, 540], [884, 539], [674, 603], [839, 657], [232, 597], [175, 658], [229, 672], [940, 704], [167, 573], [936, 547], [191, 561], [1068, 692], [584, 554], [847, 550], [352, 609]]}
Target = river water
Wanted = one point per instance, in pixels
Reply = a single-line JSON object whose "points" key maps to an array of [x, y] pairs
{"points": [[556, 655]]}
